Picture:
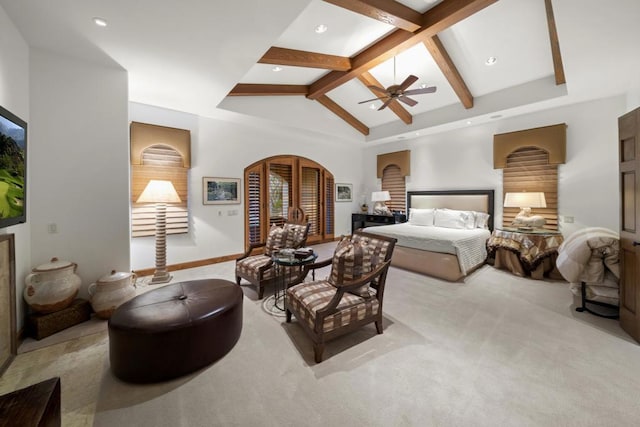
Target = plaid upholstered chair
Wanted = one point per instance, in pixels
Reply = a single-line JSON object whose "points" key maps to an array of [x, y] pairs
{"points": [[258, 268], [350, 297]]}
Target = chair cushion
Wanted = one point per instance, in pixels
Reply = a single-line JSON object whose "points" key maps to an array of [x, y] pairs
{"points": [[249, 266], [276, 240], [351, 260], [296, 234], [306, 299]]}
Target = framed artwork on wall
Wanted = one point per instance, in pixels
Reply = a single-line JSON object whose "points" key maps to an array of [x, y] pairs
{"points": [[8, 341], [344, 192], [220, 191]]}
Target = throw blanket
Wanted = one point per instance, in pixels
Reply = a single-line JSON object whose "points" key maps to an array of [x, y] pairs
{"points": [[583, 256]]}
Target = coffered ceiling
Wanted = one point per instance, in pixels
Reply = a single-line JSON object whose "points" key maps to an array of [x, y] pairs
{"points": [[191, 55]]}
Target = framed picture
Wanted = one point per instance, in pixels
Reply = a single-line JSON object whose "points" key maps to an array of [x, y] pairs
{"points": [[344, 192], [220, 191], [8, 338]]}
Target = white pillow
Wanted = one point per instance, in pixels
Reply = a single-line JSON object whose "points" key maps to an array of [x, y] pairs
{"points": [[421, 216], [482, 220], [450, 218]]}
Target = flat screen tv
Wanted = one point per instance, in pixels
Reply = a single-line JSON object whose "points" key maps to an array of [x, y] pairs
{"points": [[13, 169]]}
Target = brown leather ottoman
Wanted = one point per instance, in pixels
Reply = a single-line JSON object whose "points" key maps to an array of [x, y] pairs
{"points": [[174, 330]]}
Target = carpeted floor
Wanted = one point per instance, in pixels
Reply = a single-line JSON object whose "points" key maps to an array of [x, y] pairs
{"points": [[494, 350]]}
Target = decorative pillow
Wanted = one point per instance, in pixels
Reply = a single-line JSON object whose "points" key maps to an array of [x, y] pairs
{"points": [[295, 235], [276, 240], [451, 218], [351, 260], [482, 220], [422, 216]]}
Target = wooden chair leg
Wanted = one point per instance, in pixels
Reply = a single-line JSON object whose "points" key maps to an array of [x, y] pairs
{"points": [[238, 280], [288, 314], [318, 350], [260, 292], [379, 326]]}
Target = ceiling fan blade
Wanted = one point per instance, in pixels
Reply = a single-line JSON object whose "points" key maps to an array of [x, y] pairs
{"points": [[410, 102], [377, 89], [387, 102], [374, 99], [421, 91], [408, 82]]}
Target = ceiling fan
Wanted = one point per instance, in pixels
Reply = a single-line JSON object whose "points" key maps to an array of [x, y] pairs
{"points": [[399, 92]]}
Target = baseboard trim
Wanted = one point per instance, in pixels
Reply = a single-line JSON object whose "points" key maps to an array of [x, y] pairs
{"points": [[210, 261], [190, 264]]}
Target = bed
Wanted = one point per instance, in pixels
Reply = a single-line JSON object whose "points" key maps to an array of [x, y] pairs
{"points": [[448, 252]]}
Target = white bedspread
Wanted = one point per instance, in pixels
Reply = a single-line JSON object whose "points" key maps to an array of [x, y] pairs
{"points": [[468, 245]]}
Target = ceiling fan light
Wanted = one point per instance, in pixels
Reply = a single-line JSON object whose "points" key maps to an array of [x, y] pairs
{"points": [[321, 28], [100, 22], [276, 69], [372, 106]]}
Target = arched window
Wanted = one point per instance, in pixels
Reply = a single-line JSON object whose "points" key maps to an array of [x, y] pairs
{"points": [[277, 183]]}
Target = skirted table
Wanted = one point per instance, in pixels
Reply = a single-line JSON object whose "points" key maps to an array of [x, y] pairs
{"points": [[526, 253]]}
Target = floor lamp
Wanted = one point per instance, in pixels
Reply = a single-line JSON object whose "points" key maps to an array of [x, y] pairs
{"points": [[160, 193]]}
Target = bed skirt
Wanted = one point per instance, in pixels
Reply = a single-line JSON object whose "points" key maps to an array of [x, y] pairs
{"points": [[442, 266]]}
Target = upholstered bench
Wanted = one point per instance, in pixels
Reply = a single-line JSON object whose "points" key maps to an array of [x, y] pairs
{"points": [[174, 330]]}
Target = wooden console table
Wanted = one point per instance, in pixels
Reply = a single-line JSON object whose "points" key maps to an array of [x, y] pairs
{"points": [[361, 220], [526, 253]]}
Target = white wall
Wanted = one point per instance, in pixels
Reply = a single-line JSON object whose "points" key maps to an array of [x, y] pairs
{"points": [[14, 96], [79, 164], [223, 148], [463, 159]]}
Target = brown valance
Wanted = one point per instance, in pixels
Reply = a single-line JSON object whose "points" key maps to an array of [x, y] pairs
{"points": [[402, 159], [552, 139]]}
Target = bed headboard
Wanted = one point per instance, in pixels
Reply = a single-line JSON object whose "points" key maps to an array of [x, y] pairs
{"points": [[465, 200]]}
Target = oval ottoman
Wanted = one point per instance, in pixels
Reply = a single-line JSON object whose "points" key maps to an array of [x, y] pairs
{"points": [[174, 330]]}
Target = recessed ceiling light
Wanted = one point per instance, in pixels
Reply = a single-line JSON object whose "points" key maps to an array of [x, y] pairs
{"points": [[491, 60], [423, 85], [321, 28], [417, 133], [276, 69], [100, 22], [468, 122], [372, 106]]}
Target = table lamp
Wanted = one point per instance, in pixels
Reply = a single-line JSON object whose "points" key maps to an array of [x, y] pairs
{"points": [[160, 193], [379, 197], [525, 201]]}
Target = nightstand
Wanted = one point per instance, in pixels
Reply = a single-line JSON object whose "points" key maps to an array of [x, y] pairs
{"points": [[526, 252]]}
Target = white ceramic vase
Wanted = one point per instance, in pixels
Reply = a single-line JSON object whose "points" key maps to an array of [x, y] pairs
{"points": [[110, 291], [52, 286]]}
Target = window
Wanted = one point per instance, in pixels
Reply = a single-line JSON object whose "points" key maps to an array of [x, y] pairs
{"points": [[393, 182], [292, 182]]}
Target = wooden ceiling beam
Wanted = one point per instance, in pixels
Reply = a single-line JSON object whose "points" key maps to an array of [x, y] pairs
{"points": [[388, 11], [448, 68], [558, 68], [434, 20], [249, 89], [343, 114], [301, 58], [368, 80]]}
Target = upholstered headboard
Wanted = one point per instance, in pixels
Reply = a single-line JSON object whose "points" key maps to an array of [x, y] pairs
{"points": [[465, 200]]}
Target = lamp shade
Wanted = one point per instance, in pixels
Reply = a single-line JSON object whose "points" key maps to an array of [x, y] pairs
{"points": [[380, 196], [158, 191], [525, 200]]}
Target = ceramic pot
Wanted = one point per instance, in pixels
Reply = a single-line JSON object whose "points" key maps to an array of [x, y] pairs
{"points": [[52, 286], [110, 291]]}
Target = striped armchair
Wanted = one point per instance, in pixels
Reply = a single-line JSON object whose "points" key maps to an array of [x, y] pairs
{"points": [[352, 294], [257, 268]]}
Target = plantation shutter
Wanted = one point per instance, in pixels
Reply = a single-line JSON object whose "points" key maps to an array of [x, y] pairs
{"points": [[280, 192], [528, 169], [393, 182], [253, 179], [329, 204], [310, 197]]}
